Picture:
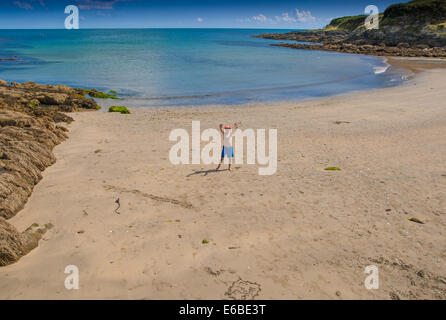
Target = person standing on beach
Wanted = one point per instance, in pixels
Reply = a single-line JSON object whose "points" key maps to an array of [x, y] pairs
{"points": [[228, 150]]}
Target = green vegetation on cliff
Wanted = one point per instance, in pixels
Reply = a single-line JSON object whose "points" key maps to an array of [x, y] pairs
{"points": [[348, 23], [414, 16], [416, 12]]}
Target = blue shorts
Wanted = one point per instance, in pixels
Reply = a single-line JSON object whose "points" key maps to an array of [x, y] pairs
{"points": [[228, 152]]}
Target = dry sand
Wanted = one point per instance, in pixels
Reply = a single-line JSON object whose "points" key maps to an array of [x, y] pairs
{"points": [[301, 233]]}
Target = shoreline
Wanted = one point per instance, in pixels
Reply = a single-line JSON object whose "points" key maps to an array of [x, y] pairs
{"points": [[282, 229], [417, 64], [408, 67]]}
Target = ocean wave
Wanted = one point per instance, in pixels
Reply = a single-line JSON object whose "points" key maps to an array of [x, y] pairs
{"points": [[239, 92], [381, 69]]}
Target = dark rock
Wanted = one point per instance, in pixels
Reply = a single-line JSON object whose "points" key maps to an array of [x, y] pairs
{"points": [[14, 245], [28, 133]]}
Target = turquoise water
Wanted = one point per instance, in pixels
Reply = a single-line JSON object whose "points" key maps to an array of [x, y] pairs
{"points": [[155, 67]]}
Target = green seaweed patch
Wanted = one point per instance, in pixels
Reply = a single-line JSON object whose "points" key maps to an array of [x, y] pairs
{"points": [[120, 109], [113, 92], [101, 95], [332, 169], [205, 241], [98, 107], [33, 226], [173, 221], [49, 225]]}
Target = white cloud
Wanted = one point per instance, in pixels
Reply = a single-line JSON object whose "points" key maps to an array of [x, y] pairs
{"points": [[285, 17], [199, 19], [301, 16], [23, 5], [261, 18], [304, 16]]}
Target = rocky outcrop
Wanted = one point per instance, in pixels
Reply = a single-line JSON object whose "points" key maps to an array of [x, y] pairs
{"points": [[14, 245], [30, 127], [402, 50], [414, 29]]}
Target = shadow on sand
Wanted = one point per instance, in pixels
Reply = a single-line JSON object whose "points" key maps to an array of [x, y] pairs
{"points": [[206, 172]]}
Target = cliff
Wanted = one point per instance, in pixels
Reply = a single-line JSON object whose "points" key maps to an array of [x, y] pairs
{"points": [[416, 28]]}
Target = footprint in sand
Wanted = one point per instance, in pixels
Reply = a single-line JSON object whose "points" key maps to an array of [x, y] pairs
{"points": [[243, 290]]}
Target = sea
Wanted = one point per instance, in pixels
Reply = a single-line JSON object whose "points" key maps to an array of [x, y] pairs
{"points": [[185, 67]]}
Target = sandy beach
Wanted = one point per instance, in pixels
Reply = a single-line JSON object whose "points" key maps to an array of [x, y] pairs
{"points": [[302, 233]]}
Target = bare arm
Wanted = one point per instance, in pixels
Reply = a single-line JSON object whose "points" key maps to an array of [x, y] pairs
{"points": [[221, 128]]}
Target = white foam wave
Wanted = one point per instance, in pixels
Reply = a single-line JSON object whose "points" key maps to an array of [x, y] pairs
{"points": [[382, 69], [379, 70]]}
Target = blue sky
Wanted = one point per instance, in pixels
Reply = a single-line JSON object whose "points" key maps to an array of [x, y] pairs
{"points": [[297, 14]]}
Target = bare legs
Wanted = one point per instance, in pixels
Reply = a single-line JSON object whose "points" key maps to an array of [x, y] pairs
{"points": [[229, 168]]}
